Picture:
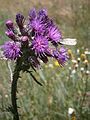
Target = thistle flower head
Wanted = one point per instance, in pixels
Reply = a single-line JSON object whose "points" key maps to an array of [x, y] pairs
{"points": [[38, 20], [37, 25], [40, 44], [61, 55], [11, 50], [35, 37], [54, 34]]}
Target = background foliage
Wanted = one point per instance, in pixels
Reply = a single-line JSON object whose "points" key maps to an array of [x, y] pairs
{"points": [[63, 88]]}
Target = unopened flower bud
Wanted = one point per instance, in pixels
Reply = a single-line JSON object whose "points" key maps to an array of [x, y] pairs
{"points": [[87, 72], [20, 20], [76, 66], [70, 54], [24, 39], [83, 57], [86, 63], [78, 59], [9, 24], [10, 34]]}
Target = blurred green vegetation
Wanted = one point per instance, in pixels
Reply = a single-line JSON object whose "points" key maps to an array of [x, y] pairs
{"points": [[63, 88]]}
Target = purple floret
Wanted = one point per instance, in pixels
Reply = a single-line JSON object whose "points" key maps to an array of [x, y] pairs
{"points": [[37, 25], [32, 13], [11, 50], [40, 44], [61, 55], [38, 20], [54, 34], [42, 14]]}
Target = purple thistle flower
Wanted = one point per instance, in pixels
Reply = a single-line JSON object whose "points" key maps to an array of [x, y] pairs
{"points": [[35, 37], [37, 25], [61, 55], [40, 44], [49, 52], [38, 20], [34, 14], [54, 34], [11, 50]]}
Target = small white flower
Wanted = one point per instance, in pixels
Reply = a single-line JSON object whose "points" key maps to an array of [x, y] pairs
{"points": [[6, 96], [76, 66], [73, 71], [87, 72], [69, 68], [70, 111], [74, 61], [78, 51], [78, 59], [82, 69]]}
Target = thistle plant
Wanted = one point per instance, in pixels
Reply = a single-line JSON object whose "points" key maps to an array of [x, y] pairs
{"points": [[31, 40]]}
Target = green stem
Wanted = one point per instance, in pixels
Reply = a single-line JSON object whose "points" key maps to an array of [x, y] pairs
{"points": [[84, 96]]}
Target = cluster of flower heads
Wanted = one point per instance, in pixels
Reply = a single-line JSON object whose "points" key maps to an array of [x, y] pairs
{"points": [[33, 39]]}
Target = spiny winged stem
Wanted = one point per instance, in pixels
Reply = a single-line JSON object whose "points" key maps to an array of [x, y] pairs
{"points": [[14, 89]]}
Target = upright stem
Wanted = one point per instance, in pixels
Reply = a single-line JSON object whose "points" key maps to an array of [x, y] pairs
{"points": [[14, 90], [84, 97]]}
